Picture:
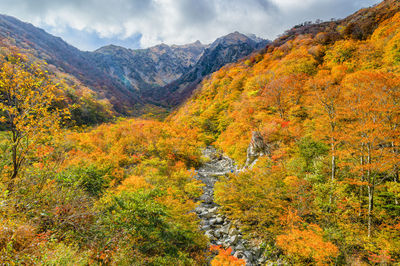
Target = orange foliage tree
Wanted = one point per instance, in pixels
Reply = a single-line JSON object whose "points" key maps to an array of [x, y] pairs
{"points": [[302, 242], [224, 257]]}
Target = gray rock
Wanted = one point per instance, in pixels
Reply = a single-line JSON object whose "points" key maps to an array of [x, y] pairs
{"points": [[238, 254], [240, 247], [234, 239], [225, 245], [248, 255], [256, 148], [207, 215], [219, 220], [199, 210], [217, 233], [218, 229], [225, 230], [257, 252], [206, 228], [233, 231], [213, 210]]}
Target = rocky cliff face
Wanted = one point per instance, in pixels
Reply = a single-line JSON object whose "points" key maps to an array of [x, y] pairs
{"points": [[151, 68], [256, 149]]}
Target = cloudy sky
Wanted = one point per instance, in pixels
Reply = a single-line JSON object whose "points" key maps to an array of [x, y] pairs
{"points": [[90, 24]]}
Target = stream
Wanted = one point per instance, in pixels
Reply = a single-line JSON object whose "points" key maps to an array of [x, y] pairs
{"points": [[218, 228]]}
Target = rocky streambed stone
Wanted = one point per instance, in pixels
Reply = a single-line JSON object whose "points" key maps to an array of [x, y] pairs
{"points": [[218, 228]]}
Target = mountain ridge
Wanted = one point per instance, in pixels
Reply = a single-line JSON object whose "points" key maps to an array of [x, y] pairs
{"points": [[129, 78]]}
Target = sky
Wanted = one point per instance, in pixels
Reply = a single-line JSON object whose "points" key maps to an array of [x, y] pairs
{"points": [[90, 24]]}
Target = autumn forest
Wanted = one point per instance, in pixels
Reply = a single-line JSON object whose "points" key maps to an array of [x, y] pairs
{"points": [[319, 107]]}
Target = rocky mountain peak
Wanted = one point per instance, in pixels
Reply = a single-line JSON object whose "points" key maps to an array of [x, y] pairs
{"points": [[224, 50], [111, 48], [232, 38]]}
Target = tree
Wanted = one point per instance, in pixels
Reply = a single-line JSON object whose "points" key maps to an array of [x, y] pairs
{"points": [[303, 242], [28, 100], [373, 133], [285, 93], [326, 93], [224, 257]]}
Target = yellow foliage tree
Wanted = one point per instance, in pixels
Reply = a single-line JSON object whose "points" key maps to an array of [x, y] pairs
{"points": [[28, 99]]}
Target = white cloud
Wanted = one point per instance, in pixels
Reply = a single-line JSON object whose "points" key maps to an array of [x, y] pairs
{"points": [[174, 21]]}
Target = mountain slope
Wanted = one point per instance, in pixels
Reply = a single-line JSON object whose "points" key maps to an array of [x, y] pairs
{"points": [[304, 50], [66, 58], [325, 100], [224, 50]]}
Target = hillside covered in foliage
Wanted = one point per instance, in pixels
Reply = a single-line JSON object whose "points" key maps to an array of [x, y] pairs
{"points": [[325, 100], [327, 105]]}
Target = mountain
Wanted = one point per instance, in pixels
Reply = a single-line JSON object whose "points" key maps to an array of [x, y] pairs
{"points": [[224, 50], [146, 70], [131, 79], [166, 75], [155, 66]]}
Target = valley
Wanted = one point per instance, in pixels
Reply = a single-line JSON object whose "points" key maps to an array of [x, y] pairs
{"points": [[243, 151]]}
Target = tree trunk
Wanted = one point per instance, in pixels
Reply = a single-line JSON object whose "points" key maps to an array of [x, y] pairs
{"points": [[396, 172], [362, 180], [333, 160], [333, 171], [370, 207], [371, 188], [396, 179], [14, 155]]}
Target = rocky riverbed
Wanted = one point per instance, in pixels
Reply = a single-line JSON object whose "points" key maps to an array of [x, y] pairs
{"points": [[218, 228]]}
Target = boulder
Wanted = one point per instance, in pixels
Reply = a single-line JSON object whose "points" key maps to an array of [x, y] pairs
{"points": [[225, 229], [213, 210], [240, 247], [257, 252], [233, 231], [206, 228], [248, 255], [234, 239], [238, 254], [217, 233], [207, 215], [200, 210]]}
